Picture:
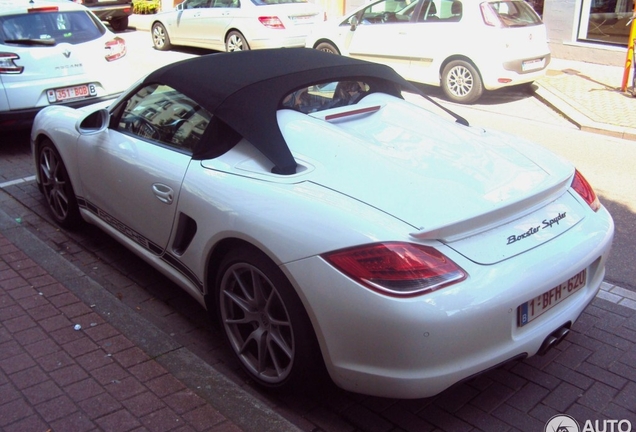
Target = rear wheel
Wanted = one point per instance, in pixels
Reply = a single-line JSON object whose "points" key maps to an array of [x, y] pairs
{"points": [[461, 82], [160, 38], [264, 321], [235, 41], [327, 47], [56, 186]]}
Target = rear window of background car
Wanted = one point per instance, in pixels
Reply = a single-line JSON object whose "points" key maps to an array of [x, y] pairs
{"points": [[72, 27]]}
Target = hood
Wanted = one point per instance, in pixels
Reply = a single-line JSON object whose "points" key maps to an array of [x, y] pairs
{"points": [[446, 180]]}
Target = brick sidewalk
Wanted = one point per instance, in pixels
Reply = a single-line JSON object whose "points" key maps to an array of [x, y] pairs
{"points": [[63, 368]]}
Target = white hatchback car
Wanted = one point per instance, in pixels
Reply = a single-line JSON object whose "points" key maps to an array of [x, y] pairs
{"points": [[464, 46], [234, 25], [55, 53]]}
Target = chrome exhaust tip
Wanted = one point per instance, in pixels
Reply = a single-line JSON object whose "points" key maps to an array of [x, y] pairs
{"points": [[554, 338]]}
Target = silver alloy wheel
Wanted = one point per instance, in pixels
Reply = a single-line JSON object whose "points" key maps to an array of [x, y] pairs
{"points": [[257, 323], [55, 183], [160, 37], [235, 42], [460, 81]]}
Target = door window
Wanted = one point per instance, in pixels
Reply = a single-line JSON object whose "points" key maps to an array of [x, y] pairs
{"points": [[388, 11], [161, 114], [196, 4]]}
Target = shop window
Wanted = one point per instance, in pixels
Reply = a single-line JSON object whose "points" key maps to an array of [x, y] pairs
{"points": [[606, 21]]}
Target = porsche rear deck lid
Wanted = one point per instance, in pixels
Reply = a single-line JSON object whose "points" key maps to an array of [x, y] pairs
{"points": [[244, 89]]}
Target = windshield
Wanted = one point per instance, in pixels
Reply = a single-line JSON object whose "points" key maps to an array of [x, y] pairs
{"points": [[515, 13], [49, 28]]}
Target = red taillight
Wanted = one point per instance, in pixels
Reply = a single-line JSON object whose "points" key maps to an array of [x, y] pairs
{"points": [[115, 49], [272, 22], [397, 269], [583, 188], [7, 65]]}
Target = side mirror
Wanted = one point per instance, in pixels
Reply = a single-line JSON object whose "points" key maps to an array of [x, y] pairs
{"points": [[180, 7], [354, 23], [94, 122]]}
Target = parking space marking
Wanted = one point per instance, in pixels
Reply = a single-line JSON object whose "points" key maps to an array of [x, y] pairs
{"points": [[17, 181]]}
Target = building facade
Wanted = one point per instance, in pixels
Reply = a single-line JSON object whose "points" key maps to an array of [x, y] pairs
{"points": [[595, 31]]}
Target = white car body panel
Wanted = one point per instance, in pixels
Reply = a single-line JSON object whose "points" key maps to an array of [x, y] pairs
{"points": [[67, 65], [394, 173]]}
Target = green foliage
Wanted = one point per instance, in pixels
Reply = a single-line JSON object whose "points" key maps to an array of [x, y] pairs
{"points": [[145, 7]]}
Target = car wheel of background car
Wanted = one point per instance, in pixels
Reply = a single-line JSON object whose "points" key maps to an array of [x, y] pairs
{"points": [[236, 42], [119, 24], [461, 82], [327, 47], [160, 38], [265, 322], [57, 187]]}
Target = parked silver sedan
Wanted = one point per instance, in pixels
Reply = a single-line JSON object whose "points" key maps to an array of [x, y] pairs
{"points": [[234, 25]]}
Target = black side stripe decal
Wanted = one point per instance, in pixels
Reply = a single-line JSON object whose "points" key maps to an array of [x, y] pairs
{"points": [[154, 248]]}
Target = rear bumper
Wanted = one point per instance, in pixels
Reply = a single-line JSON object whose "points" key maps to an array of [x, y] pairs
{"points": [[512, 72], [107, 13], [23, 119]]}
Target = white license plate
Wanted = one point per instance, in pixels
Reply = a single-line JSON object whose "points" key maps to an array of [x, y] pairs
{"points": [[69, 93], [546, 301], [532, 64], [303, 19]]}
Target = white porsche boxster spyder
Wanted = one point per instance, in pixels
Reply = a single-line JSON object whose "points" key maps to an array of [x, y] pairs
{"points": [[330, 224]]}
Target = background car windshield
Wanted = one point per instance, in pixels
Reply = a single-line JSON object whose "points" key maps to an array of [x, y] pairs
{"points": [[515, 13], [72, 27]]}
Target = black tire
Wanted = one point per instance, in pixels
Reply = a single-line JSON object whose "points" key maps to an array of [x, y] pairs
{"points": [[264, 322], [235, 41], [56, 187], [160, 37], [119, 24], [461, 82], [327, 47]]}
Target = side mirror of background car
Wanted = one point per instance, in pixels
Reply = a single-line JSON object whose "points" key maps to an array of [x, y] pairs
{"points": [[94, 122], [354, 23]]}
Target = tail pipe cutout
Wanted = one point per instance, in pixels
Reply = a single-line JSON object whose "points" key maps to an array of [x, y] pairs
{"points": [[554, 338]]}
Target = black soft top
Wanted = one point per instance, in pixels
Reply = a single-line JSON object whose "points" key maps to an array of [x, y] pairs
{"points": [[244, 89]]}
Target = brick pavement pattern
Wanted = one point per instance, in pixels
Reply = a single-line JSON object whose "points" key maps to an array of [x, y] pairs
{"points": [[63, 368]]}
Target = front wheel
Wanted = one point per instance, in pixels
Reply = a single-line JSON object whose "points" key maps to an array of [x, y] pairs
{"points": [[264, 321], [461, 82], [160, 38], [56, 186], [235, 41], [327, 47]]}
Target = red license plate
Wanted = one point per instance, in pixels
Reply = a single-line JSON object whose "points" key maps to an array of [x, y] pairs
{"points": [[546, 301], [69, 93]]}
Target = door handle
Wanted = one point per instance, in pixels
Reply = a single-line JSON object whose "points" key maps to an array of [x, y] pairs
{"points": [[164, 193]]}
